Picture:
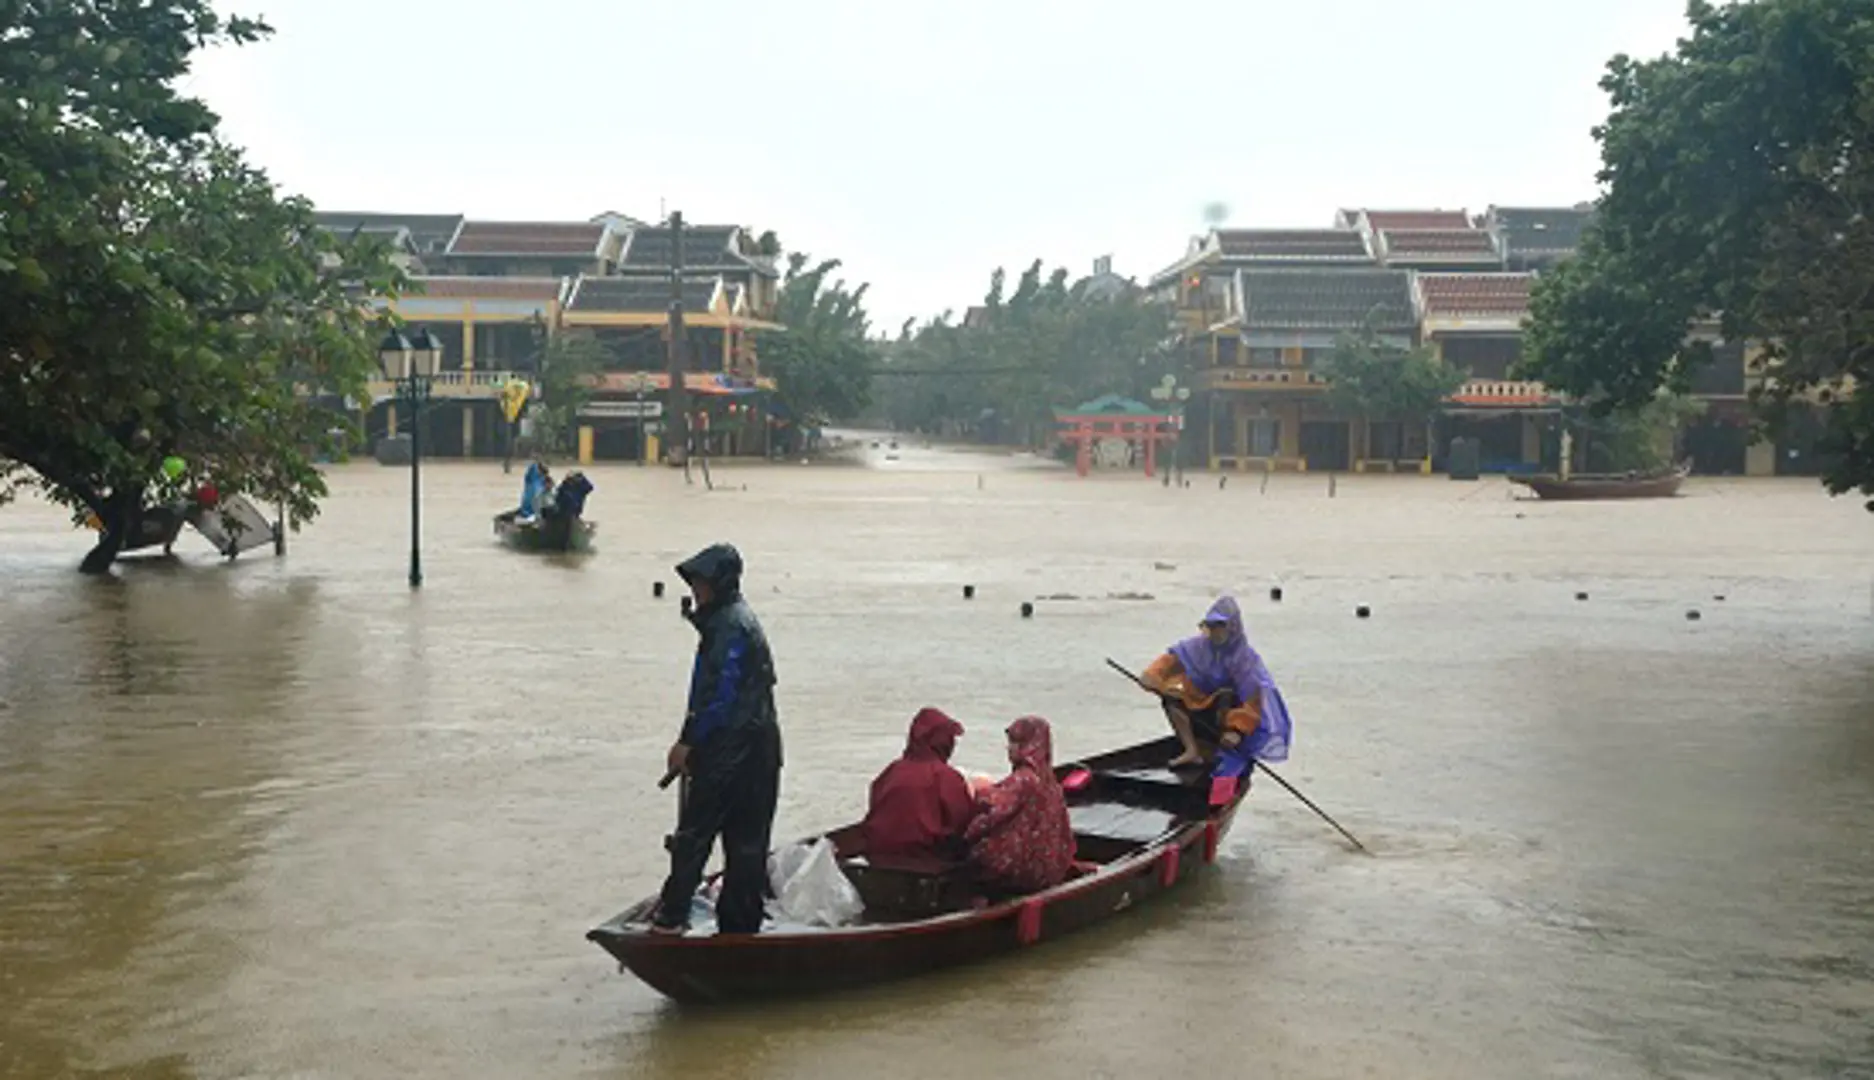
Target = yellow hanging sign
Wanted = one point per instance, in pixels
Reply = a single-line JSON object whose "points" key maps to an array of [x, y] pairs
{"points": [[513, 396]]}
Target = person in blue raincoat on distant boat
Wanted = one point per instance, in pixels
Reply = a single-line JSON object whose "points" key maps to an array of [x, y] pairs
{"points": [[536, 486], [1218, 693]]}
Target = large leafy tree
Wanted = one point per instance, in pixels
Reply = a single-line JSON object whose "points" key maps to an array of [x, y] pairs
{"points": [[157, 297], [822, 365], [1739, 181], [1375, 380]]}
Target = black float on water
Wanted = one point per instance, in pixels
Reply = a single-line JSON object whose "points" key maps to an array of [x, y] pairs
{"points": [[969, 592], [684, 607], [657, 589], [1362, 611], [1693, 615], [1581, 596], [1028, 610], [1275, 594]]}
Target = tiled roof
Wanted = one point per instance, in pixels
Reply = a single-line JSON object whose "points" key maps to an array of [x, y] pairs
{"points": [[489, 288], [428, 232], [1326, 299], [550, 238], [1293, 245], [1540, 231], [1472, 248], [610, 294], [1417, 219], [1461, 295], [705, 247]]}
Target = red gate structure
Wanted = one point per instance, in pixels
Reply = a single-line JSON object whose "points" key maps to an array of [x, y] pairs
{"points": [[1115, 417]]}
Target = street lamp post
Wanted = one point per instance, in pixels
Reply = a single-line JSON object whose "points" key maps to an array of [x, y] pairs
{"points": [[411, 365], [1169, 391]]}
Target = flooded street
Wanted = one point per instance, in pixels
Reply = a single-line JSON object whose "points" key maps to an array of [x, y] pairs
{"points": [[287, 818]]}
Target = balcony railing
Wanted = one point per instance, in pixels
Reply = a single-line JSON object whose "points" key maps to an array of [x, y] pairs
{"points": [[1503, 393], [458, 384]]}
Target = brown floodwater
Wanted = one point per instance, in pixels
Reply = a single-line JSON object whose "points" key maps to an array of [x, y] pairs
{"points": [[286, 818]]}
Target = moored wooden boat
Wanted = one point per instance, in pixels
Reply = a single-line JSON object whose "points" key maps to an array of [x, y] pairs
{"points": [[547, 533], [1141, 831], [1605, 486]]}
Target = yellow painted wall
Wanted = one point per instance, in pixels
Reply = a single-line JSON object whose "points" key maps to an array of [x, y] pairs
{"points": [[1760, 459], [585, 445], [650, 449]]}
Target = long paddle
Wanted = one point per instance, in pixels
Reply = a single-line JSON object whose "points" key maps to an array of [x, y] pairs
{"points": [[1273, 775]]}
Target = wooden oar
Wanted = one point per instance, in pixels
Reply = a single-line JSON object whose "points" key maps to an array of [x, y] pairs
{"points": [[1273, 775]]}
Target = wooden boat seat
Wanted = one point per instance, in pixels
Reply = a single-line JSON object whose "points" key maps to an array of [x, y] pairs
{"points": [[1135, 825]]}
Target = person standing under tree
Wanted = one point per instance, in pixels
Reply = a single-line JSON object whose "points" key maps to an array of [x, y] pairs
{"points": [[730, 750]]}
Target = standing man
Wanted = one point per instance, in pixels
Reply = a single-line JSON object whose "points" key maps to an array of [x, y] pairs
{"points": [[730, 748]]}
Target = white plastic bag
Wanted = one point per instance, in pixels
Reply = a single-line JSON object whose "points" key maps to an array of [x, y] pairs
{"points": [[809, 887]]}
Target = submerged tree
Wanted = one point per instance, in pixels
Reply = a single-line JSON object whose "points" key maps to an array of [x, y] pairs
{"points": [[569, 364], [1376, 381], [158, 299], [823, 363], [1023, 353], [1739, 177]]}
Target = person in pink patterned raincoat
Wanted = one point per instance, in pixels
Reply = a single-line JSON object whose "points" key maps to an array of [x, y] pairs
{"points": [[1020, 840]]}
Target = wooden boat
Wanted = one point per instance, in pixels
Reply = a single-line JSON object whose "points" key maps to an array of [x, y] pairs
{"points": [[1141, 831], [1606, 485], [547, 533]]}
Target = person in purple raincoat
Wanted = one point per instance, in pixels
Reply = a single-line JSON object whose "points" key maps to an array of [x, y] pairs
{"points": [[1245, 719]]}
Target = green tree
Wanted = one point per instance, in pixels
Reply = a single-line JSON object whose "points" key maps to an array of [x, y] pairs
{"points": [[1376, 381], [1739, 178], [1047, 343], [823, 363], [569, 365], [1636, 439], [157, 297]]}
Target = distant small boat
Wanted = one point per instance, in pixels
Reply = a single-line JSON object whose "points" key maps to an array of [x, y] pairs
{"points": [[549, 533], [1583, 486]]}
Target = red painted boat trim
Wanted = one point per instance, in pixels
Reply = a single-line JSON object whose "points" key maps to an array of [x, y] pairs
{"points": [[1028, 923], [1168, 867]]}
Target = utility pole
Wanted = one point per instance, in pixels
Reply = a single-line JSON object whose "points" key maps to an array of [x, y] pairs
{"points": [[676, 415]]}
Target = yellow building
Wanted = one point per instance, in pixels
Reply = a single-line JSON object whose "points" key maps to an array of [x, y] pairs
{"points": [[493, 292]]}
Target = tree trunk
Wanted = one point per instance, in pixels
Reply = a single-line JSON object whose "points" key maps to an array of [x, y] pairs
{"points": [[118, 514]]}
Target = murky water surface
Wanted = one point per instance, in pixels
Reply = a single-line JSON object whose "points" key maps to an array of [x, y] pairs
{"points": [[286, 818]]}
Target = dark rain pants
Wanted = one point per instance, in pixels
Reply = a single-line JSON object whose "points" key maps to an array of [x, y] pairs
{"points": [[735, 780]]}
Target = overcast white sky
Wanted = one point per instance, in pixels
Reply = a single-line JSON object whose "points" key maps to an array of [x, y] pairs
{"points": [[925, 142]]}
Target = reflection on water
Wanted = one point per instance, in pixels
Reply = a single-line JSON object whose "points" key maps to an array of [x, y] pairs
{"points": [[287, 818]]}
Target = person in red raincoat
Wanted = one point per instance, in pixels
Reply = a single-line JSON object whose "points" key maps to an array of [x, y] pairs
{"points": [[1020, 839], [920, 805]]}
